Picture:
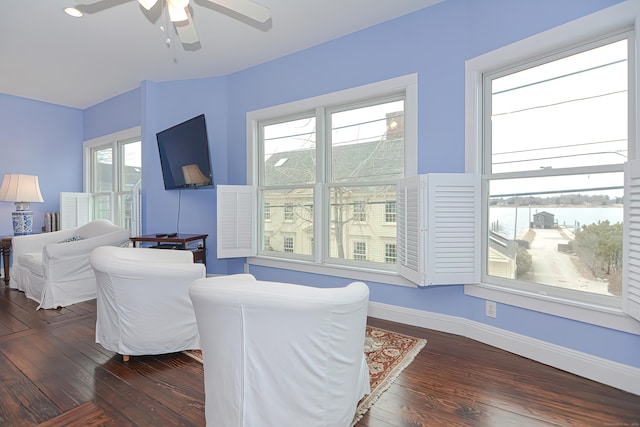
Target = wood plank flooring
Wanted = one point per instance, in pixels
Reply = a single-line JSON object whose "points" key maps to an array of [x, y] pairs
{"points": [[52, 373]]}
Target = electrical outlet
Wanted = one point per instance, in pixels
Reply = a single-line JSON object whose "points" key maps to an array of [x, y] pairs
{"points": [[490, 309]]}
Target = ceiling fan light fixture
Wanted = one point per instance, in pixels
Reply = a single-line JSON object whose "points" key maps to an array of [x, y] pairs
{"points": [[147, 4], [72, 11], [177, 10]]}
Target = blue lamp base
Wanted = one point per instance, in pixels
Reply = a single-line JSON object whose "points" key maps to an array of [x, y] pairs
{"points": [[22, 222]]}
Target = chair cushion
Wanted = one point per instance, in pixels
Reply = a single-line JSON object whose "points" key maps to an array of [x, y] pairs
{"points": [[33, 262]]}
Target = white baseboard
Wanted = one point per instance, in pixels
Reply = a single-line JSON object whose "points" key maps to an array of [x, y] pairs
{"points": [[614, 374]]}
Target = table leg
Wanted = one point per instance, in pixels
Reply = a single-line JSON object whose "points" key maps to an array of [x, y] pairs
{"points": [[6, 259]]}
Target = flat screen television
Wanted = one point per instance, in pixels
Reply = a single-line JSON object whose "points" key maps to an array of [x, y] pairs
{"points": [[184, 155]]}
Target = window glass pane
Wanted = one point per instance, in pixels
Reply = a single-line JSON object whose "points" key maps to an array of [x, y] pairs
{"points": [[289, 226], [368, 143], [103, 170], [289, 152], [102, 206], [566, 113], [126, 211], [131, 165], [563, 231], [359, 229]]}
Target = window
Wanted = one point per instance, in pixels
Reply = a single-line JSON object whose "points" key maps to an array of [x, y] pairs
{"points": [[288, 211], [360, 211], [288, 244], [551, 141], [113, 168], [555, 146], [267, 211], [390, 211], [360, 251], [330, 164], [348, 153], [390, 253]]}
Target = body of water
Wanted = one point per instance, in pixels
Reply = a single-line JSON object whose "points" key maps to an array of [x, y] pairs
{"points": [[571, 217]]}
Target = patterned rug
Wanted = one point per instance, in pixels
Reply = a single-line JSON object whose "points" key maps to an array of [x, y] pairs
{"points": [[388, 353]]}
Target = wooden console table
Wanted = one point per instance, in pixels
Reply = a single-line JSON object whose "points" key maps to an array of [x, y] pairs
{"points": [[176, 242], [5, 250]]}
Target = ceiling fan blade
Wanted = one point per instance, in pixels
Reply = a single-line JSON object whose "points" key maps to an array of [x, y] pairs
{"points": [[147, 4], [187, 30], [99, 6], [248, 8]]}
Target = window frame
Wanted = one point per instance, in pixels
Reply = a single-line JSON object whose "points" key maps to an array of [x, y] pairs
{"points": [[600, 25], [406, 84], [113, 141]]}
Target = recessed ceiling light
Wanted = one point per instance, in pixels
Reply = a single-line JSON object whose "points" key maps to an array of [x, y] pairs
{"points": [[72, 11]]}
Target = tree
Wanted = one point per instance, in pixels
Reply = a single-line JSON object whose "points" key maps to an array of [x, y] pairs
{"points": [[600, 247]]}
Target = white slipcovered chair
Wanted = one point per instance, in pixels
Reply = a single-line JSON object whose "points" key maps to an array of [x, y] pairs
{"points": [[53, 268], [143, 304], [278, 354]]}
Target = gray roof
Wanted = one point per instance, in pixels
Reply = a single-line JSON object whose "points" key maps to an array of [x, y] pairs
{"points": [[368, 161]]}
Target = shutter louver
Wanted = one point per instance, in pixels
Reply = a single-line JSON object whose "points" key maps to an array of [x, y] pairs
{"points": [[411, 230], [632, 240], [75, 210], [235, 221], [453, 253]]}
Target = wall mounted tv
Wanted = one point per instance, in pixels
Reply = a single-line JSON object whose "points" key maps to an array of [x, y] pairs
{"points": [[184, 155]]}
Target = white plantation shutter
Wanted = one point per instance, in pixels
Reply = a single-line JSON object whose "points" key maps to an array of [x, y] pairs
{"points": [[411, 229], [236, 224], [631, 275], [439, 229], [75, 209]]}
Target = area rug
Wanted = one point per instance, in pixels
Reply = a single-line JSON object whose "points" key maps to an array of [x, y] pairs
{"points": [[388, 353]]}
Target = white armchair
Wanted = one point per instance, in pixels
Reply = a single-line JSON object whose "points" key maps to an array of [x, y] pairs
{"points": [[143, 304], [53, 268], [277, 354]]}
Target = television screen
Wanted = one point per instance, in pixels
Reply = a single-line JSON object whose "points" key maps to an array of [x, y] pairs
{"points": [[184, 155]]}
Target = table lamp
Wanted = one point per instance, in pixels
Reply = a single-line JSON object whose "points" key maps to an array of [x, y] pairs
{"points": [[21, 189]]}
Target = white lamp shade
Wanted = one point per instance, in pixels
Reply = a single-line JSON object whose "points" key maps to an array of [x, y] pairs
{"points": [[20, 188], [193, 175]]}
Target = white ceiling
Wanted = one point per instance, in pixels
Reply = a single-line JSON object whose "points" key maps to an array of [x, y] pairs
{"points": [[78, 62]]}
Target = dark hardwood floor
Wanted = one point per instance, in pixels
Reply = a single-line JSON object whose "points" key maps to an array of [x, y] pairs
{"points": [[52, 373]]}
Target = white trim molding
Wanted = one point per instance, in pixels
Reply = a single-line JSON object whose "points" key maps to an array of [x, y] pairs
{"points": [[614, 374]]}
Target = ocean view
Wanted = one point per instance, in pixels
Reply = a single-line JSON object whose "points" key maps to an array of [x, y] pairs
{"points": [[571, 217]]}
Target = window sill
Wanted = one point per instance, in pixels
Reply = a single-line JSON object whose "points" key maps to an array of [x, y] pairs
{"points": [[607, 317], [366, 275]]}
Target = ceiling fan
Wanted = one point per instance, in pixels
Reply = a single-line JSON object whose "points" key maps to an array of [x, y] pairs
{"points": [[180, 14]]}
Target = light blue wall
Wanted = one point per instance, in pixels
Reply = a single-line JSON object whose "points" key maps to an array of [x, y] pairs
{"points": [[434, 43], [37, 138], [113, 115], [185, 211]]}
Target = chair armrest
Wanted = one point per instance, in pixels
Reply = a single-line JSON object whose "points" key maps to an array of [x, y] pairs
{"points": [[36, 242]]}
